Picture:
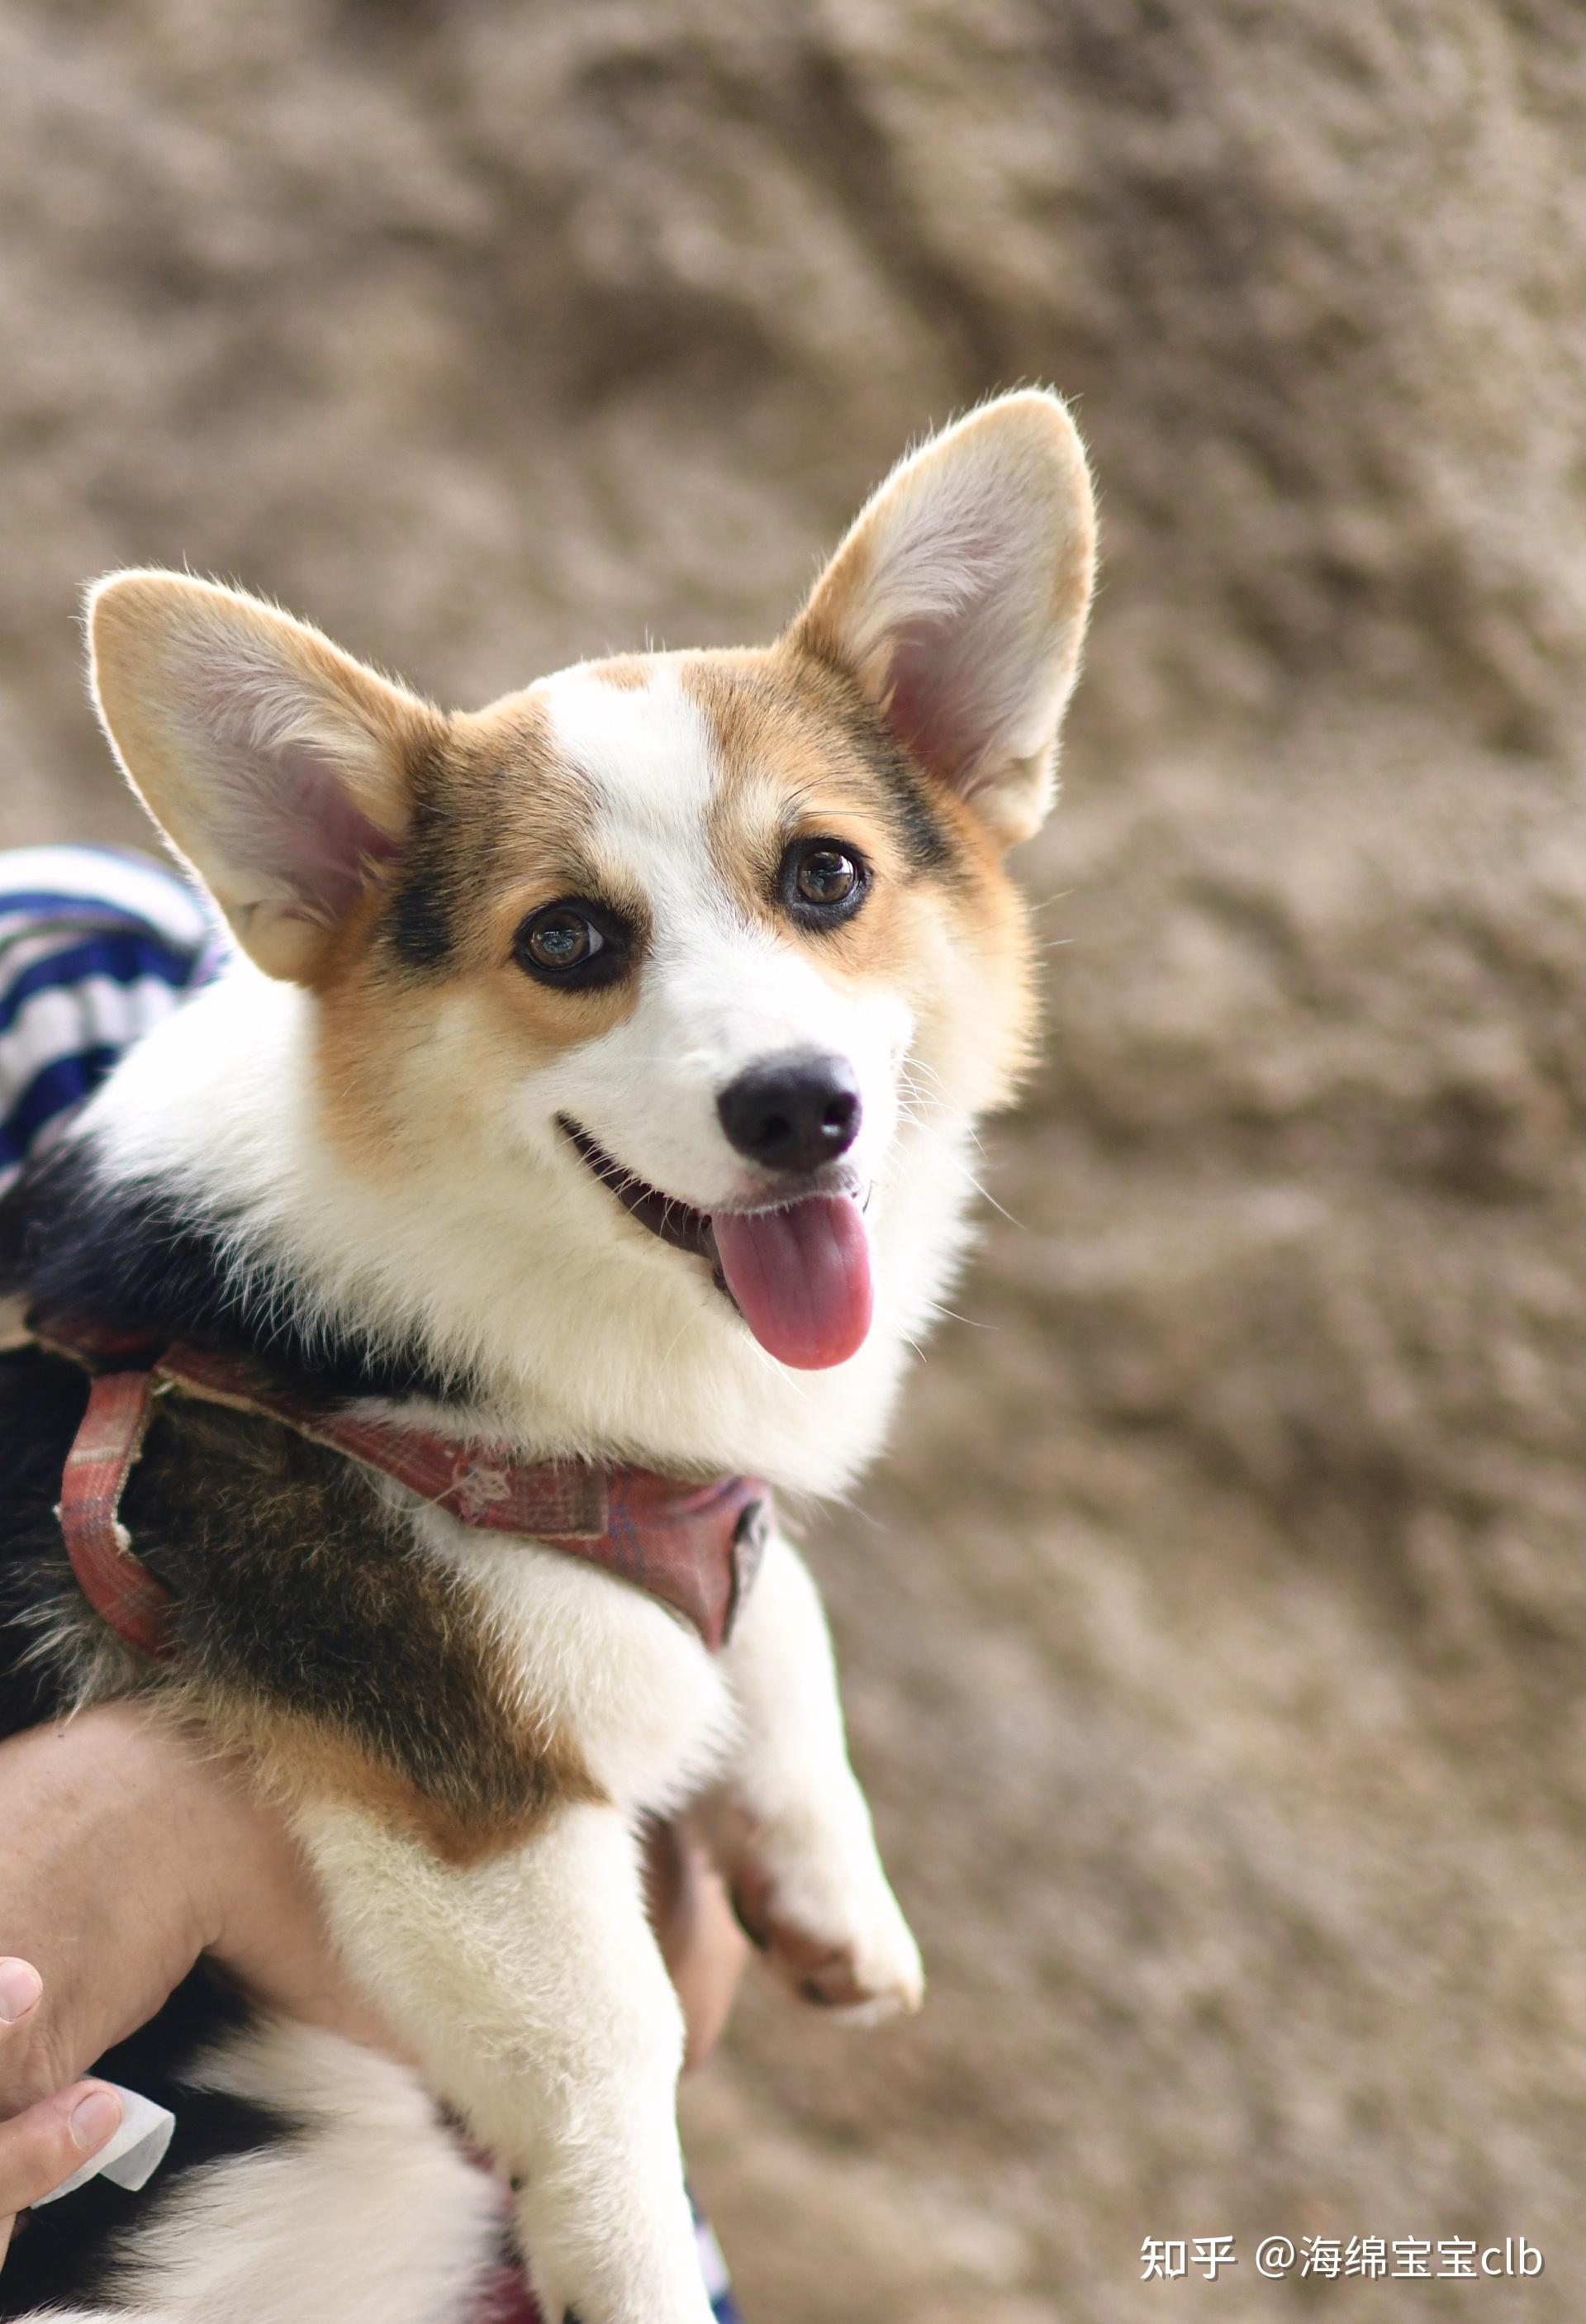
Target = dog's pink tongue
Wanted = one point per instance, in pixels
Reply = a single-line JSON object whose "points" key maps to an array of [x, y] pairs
{"points": [[801, 1278]]}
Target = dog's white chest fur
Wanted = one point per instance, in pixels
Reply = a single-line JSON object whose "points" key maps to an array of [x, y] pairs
{"points": [[595, 1658]]}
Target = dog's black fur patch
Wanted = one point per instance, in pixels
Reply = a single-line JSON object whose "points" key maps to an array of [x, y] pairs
{"points": [[119, 1251], [421, 916], [297, 1589]]}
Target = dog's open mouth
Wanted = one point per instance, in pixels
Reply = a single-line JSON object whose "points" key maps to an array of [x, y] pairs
{"points": [[799, 1274]]}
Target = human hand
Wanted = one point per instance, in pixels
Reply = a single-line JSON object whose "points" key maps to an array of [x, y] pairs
{"points": [[48, 2141]]}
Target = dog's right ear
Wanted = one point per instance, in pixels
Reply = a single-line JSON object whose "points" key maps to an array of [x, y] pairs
{"points": [[278, 766], [957, 603]]}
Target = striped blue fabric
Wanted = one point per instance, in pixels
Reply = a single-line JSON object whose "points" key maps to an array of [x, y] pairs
{"points": [[96, 946]]}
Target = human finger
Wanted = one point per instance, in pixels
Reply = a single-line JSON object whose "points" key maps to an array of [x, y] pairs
{"points": [[46, 2144], [701, 1942]]}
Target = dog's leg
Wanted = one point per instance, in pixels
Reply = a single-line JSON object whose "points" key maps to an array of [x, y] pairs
{"points": [[789, 1825], [532, 1993]]}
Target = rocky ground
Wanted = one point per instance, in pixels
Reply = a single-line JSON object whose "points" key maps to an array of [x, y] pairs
{"points": [[1214, 1632]]}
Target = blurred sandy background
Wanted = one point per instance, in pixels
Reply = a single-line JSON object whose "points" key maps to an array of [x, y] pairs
{"points": [[1215, 1634]]}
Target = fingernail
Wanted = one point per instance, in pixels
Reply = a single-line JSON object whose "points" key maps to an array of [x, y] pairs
{"points": [[94, 2118], [20, 1987]]}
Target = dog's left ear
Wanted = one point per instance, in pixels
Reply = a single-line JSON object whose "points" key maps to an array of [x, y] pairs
{"points": [[278, 767], [958, 602]]}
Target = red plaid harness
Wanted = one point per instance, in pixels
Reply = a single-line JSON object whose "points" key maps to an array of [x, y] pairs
{"points": [[697, 1547]]}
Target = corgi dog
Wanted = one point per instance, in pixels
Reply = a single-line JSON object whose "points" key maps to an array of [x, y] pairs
{"points": [[594, 1081]]}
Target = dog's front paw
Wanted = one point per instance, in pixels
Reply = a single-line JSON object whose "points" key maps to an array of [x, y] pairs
{"points": [[831, 1927]]}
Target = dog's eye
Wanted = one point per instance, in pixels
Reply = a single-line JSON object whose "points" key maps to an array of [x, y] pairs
{"points": [[562, 939], [823, 881], [571, 943], [827, 876]]}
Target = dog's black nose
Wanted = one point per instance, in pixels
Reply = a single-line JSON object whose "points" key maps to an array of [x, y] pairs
{"points": [[792, 1113]]}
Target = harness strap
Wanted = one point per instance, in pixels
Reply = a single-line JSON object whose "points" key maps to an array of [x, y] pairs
{"points": [[695, 1547], [112, 1577]]}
